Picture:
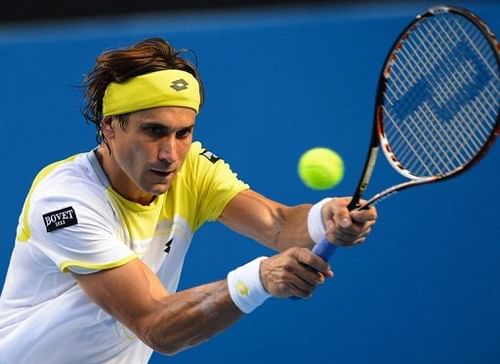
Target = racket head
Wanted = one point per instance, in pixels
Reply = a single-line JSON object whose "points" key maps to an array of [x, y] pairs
{"points": [[437, 106]]}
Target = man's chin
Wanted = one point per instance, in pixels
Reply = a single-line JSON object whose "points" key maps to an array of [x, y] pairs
{"points": [[159, 188]]}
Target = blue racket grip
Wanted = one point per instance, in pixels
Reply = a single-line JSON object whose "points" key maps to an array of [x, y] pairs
{"points": [[324, 249]]}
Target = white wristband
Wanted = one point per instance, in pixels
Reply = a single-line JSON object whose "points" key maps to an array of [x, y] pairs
{"points": [[315, 221], [245, 286]]}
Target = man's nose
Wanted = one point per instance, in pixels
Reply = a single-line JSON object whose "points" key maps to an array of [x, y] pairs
{"points": [[168, 149]]}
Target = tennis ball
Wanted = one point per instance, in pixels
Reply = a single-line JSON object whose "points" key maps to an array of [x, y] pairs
{"points": [[321, 168]]}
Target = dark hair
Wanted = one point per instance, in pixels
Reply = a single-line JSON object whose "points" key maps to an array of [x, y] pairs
{"points": [[149, 55]]}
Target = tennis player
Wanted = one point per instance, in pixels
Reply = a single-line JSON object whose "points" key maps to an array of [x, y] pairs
{"points": [[102, 235]]}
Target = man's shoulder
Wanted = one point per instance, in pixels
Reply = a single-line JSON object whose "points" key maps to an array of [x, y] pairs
{"points": [[73, 176], [200, 156]]}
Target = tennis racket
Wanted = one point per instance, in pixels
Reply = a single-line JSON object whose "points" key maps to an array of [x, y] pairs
{"points": [[437, 103]]}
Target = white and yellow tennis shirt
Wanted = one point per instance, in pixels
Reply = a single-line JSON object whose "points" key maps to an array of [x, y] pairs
{"points": [[72, 220]]}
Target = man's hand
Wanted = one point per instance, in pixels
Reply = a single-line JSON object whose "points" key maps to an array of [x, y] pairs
{"points": [[344, 227], [294, 272]]}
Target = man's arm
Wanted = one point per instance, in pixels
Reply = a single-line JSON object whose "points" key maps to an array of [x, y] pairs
{"points": [[169, 323], [280, 227], [277, 226], [134, 295]]}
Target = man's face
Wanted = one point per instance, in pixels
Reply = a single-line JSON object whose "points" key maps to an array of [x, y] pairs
{"points": [[146, 156]]}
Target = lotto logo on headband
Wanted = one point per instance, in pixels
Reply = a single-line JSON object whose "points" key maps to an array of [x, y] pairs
{"points": [[179, 85]]}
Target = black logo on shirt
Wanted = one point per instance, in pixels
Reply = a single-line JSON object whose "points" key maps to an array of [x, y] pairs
{"points": [[60, 219], [168, 246], [209, 155]]}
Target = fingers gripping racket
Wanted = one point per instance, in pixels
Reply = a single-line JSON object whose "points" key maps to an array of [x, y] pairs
{"points": [[437, 104]]}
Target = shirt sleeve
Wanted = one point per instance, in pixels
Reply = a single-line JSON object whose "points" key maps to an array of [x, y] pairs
{"points": [[216, 184], [78, 231]]}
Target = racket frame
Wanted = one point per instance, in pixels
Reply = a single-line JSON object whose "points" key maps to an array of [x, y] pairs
{"points": [[378, 139], [324, 248]]}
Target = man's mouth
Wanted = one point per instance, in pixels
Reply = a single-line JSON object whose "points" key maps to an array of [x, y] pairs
{"points": [[162, 173]]}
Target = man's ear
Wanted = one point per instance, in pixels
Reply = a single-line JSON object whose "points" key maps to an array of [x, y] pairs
{"points": [[107, 130]]}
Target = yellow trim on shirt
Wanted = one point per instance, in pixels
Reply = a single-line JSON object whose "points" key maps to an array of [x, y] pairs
{"points": [[141, 221], [25, 232], [63, 267]]}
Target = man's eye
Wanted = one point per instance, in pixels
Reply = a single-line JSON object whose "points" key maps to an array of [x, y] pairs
{"points": [[152, 130], [184, 133]]}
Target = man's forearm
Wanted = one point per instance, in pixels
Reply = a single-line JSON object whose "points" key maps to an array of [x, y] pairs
{"points": [[293, 231], [190, 317], [275, 225]]}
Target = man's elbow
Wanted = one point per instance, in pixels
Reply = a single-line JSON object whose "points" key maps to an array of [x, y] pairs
{"points": [[163, 343], [166, 349]]}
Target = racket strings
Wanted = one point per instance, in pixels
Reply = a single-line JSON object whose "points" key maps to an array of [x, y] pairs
{"points": [[488, 106], [436, 135], [474, 39], [431, 152], [432, 131], [466, 137], [442, 97]]}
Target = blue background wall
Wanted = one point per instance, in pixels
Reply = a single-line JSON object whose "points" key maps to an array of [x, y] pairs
{"points": [[424, 288]]}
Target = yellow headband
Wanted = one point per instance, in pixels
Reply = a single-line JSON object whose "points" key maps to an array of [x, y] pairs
{"points": [[161, 88]]}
